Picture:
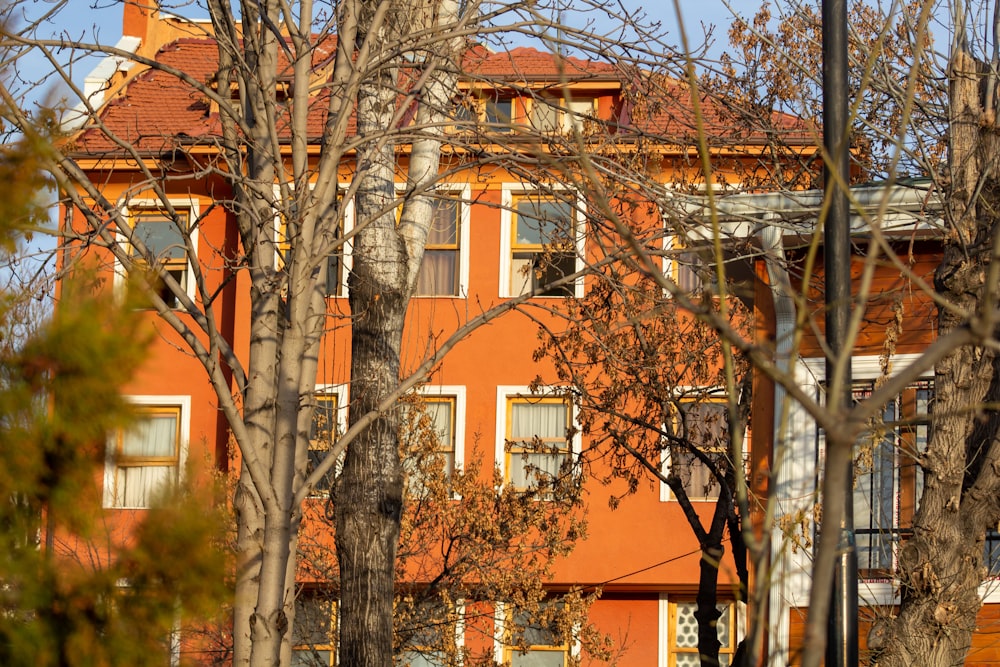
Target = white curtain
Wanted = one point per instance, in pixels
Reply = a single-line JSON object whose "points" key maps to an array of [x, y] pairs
{"points": [[547, 422], [136, 478], [438, 273]]}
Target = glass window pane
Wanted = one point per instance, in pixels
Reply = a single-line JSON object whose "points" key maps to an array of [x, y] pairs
{"points": [[422, 659], [160, 235], [543, 221], [687, 660], [438, 273], [545, 115], [542, 420], [311, 658], [137, 485], [499, 112], [153, 436], [538, 659], [444, 224]]}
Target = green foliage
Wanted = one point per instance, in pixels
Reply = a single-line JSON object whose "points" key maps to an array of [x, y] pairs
{"points": [[80, 586]]}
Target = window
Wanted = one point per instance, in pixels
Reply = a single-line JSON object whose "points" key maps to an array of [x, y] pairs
{"points": [[314, 630], [687, 268], [422, 657], [145, 459], [337, 262], [991, 553], [163, 236], [704, 425], [498, 111], [328, 422], [535, 642], [428, 432], [555, 114], [887, 480], [540, 245], [440, 272], [434, 642], [682, 635], [539, 446]]}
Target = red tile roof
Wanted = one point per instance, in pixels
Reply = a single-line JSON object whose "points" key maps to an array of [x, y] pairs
{"points": [[158, 112]]}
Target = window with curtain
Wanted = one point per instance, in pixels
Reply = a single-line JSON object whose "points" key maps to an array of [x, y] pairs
{"points": [[314, 631], [543, 247], [682, 640], [163, 236], [439, 270], [703, 425], [538, 442], [887, 480], [322, 436], [145, 458], [434, 417]]}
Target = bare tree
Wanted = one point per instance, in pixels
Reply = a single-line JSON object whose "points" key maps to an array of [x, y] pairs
{"points": [[307, 113]]}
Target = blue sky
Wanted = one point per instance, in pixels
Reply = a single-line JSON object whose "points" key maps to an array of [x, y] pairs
{"points": [[100, 20]]}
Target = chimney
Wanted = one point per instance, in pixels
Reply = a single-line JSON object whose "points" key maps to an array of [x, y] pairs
{"points": [[137, 16]]}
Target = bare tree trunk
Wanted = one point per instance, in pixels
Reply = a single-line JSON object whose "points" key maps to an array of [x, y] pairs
{"points": [[941, 566]]}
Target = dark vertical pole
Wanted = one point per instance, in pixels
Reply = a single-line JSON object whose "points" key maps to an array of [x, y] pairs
{"points": [[842, 641]]}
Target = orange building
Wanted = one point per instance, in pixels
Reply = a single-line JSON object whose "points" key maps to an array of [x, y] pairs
{"points": [[484, 400]]}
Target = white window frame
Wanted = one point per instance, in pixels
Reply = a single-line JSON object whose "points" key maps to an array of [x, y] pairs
{"points": [[508, 192], [189, 204], [183, 402], [463, 193], [507, 392], [341, 391], [666, 495]]}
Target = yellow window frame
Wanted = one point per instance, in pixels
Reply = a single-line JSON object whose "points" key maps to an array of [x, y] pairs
{"points": [[565, 115], [283, 245], [510, 651], [320, 440], [548, 443], [709, 449], [310, 649], [454, 199], [174, 265], [726, 652], [150, 412]]}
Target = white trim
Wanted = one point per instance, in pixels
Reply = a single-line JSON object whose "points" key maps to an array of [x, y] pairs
{"points": [[183, 402], [796, 491], [663, 631], [505, 392], [507, 193], [191, 205]]}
